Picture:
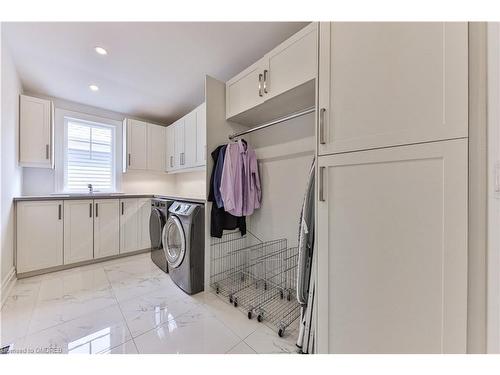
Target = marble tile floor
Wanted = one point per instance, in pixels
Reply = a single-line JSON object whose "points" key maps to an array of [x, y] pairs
{"points": [[127, 306]]}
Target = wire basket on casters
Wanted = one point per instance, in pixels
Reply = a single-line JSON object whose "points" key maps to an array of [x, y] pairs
{"points": [[258, 277]]}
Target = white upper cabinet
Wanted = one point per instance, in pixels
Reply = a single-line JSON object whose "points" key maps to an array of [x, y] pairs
{"points": [[36, 146], [179, 146], [146, 146], [106, 227], [201, 135], [78, 230], [392, 241], [39, 235], [156, 148], [170, 140], [245, 90], [292, 63], [288, 66], [385, 84], [186, 141], [137, 144], [190, 139]]}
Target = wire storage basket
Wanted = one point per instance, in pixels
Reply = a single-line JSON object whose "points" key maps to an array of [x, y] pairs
{"points": [[258, 277]]}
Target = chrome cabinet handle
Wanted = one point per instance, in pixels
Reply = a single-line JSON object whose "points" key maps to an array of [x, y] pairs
{"points": [[123, 208], [321, 184], [60, 212], [265, 80], [97, 210], [260, 85], [90, 209], [182, 158], [322, 126], [171, 161], [46, 151], [129, 160]]}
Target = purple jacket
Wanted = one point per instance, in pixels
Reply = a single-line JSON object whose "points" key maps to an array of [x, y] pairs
{"points": [[240, 183]]}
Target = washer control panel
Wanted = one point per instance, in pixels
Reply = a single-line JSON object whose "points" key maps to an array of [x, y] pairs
{"points": [[183, 208]]}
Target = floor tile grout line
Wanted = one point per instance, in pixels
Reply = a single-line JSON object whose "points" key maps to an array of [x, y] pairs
{"points": [[123, 315], [227, 325], [164, 323], [32, 312], [70, 320], [142, 296], [63, 322], [121, 312], [234, 346]]}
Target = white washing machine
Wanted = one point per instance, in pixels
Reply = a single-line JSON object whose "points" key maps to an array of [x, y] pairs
{"points": [[184, 245]]}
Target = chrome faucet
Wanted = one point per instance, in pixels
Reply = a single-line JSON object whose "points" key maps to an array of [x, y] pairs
{"points": [[91, 189]]}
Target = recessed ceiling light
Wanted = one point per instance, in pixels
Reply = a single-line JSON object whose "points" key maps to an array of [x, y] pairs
{"points": [[93, 87], [101, 51]]}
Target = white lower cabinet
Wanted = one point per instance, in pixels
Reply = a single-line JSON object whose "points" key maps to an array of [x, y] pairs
{"points": [[55, 233], [134, 224], [144, 211], [392, 250], [39, 235], [78, 230], [106, 227], [129, 235]]}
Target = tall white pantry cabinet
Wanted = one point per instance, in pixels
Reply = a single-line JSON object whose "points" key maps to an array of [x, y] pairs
{"points": [[392, 188]]}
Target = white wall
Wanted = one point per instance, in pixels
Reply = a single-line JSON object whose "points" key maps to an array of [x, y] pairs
{"points": [[285, 153], [148, 183], [11, 175], [191, 184]]}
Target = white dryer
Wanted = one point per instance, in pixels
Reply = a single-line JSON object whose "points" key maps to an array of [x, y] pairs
{"points": [[184, 245]]}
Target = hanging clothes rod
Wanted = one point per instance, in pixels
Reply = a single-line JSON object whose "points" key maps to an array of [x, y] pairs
{"points": [[274, 122]]}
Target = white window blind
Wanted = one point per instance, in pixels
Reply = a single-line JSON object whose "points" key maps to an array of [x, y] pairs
{"points": [[89, 156]]}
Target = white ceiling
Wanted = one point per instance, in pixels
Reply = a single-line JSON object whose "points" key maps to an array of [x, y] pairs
{"points": [[153, 71]]}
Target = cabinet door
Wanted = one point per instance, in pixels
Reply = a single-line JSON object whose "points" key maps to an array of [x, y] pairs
{"points": [[246, 90], [292, 63], [201, 135], [156, 147], [39, 235], [392, 242], [144, 211], [190, 139], [179, 136], [170, 138], [78, 230], [137, 145], [35, 133], [384, 84], [129, 225], [106, 227]]}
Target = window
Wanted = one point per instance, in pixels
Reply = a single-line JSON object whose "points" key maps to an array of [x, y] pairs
{"points": [[89, 156]]}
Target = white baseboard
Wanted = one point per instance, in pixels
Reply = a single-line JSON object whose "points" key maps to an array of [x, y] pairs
{"points": [[7, 284]]}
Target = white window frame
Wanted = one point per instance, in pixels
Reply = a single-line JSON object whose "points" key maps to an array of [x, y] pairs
{"points": [[61, 116]]}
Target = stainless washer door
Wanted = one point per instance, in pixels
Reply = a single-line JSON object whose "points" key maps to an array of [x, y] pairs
{"points": [[156, 223], [174, 242]]}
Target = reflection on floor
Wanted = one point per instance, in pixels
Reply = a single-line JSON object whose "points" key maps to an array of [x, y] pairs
{"points": [[127, 305]]}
